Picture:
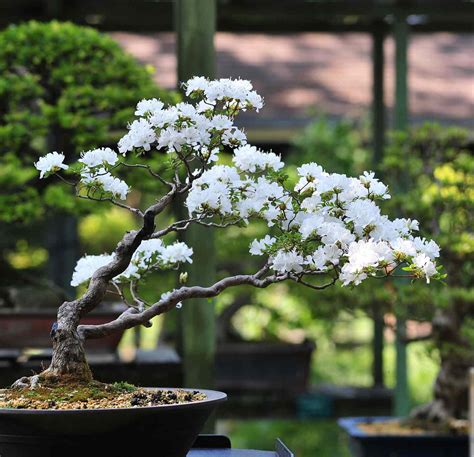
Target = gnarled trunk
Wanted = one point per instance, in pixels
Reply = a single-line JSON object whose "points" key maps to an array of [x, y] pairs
{"points": [[69, 358]]}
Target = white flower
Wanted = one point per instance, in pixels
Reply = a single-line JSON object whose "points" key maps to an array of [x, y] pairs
{"points": [[286, 262], [363, 255], [198, 83], [98, 157], [374, 186], [335, 232], [87, 266], [148, 106], [146, 252], [362, 213], [258, 246], [50, 163], [140, 135], [234, 137], [404, 246], [425, 266], [249, 158], [176, 253], [430, 248], [109, 183], [309, 173], [164, 117], [332, 182]]}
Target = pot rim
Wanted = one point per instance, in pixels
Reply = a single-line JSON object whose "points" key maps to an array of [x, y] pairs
{"points": [[212, 397], [351, 426]]}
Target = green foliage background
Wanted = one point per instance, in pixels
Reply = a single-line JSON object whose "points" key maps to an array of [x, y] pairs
{"points": [[62, 87]]}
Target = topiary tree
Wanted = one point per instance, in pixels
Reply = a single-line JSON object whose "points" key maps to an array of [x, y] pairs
{"points": [[62, 87], [325, 229], [438, 167]]}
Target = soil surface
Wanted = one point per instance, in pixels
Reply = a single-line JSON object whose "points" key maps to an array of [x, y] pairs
{"points": [[93, 395], [412, 427]]}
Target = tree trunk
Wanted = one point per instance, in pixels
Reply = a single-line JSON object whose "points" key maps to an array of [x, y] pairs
{"points": [[457, 356], [69, 358]]}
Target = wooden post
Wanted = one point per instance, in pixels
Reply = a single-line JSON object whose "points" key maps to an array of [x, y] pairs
{"points": [[195, 22], [378, 141], [471, 411], [378, 105], [402, 397]]}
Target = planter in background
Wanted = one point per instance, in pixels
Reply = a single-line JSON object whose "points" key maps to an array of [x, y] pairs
{"points": [[264, 366], [21, 329], [166, 430], [363, 444]]}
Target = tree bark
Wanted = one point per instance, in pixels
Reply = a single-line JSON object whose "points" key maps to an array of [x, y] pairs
{"points": [[457, 356], [69, 358]]}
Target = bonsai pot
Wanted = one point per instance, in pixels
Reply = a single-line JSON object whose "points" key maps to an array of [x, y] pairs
{"points": [[167, 430], [280, 367], [363, 444], [20, 329]]}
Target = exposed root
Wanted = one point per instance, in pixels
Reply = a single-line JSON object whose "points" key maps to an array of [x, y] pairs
{"points": [[434, 412], [45, 379], [435, 416]]}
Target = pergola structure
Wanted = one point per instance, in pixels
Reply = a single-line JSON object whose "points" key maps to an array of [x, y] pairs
{"points": [[196, 21]]}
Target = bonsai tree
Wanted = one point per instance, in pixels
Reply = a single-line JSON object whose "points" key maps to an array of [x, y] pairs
{"points": [[326, 229], [440, 171]]}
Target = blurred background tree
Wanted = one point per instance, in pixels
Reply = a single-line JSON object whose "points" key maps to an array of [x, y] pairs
{"points": [[439, 168], [67, 88]]}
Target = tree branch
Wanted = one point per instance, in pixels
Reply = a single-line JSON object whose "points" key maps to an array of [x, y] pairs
{"points": [[148, 168], [70, 313], [114, 202], [132, 318]]}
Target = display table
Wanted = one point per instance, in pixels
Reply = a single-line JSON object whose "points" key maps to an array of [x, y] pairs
{"points": [[220, 446], [230, 453]]}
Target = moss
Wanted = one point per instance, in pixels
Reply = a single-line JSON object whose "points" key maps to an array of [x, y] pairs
{"points": [[124, 386], [93, 395]]}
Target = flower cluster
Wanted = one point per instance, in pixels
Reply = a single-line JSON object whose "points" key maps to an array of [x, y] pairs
{"points": [[192, 128], [328, 223], [150, 255], [325, 223]]}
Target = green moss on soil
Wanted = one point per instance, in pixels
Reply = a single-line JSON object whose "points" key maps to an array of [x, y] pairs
{"points": [[93, 395]]}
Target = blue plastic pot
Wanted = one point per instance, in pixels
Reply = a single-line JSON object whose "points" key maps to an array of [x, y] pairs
{"points": [[363, 444]]}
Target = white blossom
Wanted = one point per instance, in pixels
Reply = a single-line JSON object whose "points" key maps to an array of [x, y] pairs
{"points": [[148, 106], [140, 135], [98, 157], [426, 266], [429, 248], [176, 253], [87, 266], [249, 158], [107, 182], [327, 223], [288, 262], [50, 163], [258, 246]]}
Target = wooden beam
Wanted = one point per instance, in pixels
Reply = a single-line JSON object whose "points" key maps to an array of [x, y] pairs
{"points": [[245, 16], [195, 25]]}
